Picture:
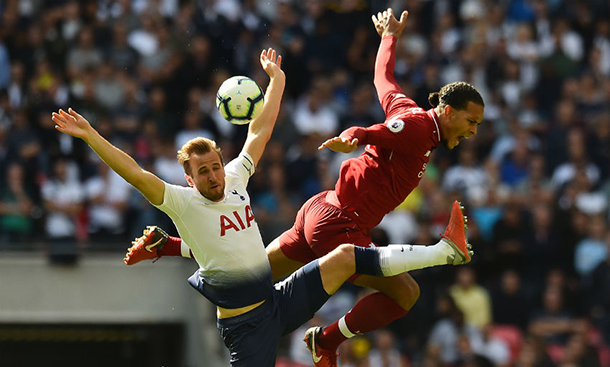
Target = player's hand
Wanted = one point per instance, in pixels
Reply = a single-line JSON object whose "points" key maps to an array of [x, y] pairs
{"points": [[71, 123], [387, 25], [339, 144], [272, 63]]}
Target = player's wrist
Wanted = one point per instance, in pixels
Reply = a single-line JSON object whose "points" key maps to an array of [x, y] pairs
{"points": [[90, 135], [277, 81]]}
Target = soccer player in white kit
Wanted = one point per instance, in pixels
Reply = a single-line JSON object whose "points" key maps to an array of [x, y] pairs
{"points": [[215, 217]]}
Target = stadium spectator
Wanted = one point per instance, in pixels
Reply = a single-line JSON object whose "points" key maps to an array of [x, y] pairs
{"points": [[514, 168], [598, 143], [592, 250], [510, 302], [17, 89], [471, 298], [110, 86], [598, 303], [577, 162], [17, 206], [553, 322], [447, 334], [385, 352], [536, 186], [63, 196], [467, 177], [534, 353], [165, 164], [540, 246], [85, 56], [107, 197], [195, 124], [508, 234], [120, 54], [313, 114], [5, 66]]}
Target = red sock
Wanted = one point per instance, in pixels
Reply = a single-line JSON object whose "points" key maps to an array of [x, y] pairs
{"points": [[171, 247], [370, 313]]}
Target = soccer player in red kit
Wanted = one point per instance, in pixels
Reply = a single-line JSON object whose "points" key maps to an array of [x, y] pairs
{"points": [[370, 186]]}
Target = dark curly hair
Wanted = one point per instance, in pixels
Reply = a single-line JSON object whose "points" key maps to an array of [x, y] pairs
{"points": [[456, 95]]}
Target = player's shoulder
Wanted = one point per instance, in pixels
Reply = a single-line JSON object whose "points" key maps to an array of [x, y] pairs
{"points": [[179, 189], [413, 118]]}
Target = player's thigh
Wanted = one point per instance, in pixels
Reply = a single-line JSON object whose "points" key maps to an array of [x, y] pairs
{"points": [[300, 296], [402, 287], [323, 236], [281, 265]]}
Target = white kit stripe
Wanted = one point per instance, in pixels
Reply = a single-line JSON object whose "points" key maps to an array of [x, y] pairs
{"points": [[185, 251], [438, 131], [344, 330]]}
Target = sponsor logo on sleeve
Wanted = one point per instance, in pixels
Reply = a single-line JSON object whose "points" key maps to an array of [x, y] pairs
{"points": [[396, 125]]}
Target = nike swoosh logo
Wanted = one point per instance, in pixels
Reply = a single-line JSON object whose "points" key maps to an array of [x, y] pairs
{"points": [[149, 247], [316, 359]]}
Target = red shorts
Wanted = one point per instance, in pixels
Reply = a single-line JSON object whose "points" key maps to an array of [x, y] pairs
{"points": [[318, 229]]}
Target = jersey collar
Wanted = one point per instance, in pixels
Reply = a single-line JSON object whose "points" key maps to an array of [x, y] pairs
{"points": [[432, 114]]}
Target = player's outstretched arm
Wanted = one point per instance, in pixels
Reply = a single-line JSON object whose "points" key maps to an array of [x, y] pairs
{"points": [[76, 125], [386, 85], [261, 127]]}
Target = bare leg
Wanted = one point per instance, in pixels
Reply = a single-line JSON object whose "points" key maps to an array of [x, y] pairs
{"points": [[336, 267], [281, 265]]}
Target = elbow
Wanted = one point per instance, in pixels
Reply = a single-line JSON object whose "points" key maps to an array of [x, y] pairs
{"points": [[377, 80]]}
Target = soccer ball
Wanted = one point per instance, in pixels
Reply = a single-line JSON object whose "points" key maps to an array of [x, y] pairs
{"points": [[239, 100]]}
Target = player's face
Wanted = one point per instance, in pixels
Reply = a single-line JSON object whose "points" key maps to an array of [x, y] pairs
{"points": [[462, 124], [207, 175]]}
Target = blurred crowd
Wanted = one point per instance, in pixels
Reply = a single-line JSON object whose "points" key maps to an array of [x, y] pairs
{"points": [[535, 180]]}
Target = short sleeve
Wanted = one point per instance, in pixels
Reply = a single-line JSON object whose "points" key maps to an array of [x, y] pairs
{"points": [[241, 168], [175, 199]]}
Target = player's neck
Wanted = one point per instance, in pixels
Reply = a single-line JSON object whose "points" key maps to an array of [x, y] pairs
{"points": [[443, 119]]}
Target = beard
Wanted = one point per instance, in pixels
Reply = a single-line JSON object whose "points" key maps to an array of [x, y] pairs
{"points": [[213, 195]]}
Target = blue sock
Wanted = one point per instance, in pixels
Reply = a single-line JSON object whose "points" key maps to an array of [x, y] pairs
{"points": [[367, 261]]}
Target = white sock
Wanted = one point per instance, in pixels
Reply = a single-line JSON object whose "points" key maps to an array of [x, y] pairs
{"points": [[396, 259]]}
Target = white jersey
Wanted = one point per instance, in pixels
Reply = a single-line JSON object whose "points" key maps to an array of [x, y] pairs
{"points": [[224, 238]]}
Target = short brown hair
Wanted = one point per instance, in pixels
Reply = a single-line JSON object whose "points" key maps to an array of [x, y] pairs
{"points": [[196, 146], [456, 95]]}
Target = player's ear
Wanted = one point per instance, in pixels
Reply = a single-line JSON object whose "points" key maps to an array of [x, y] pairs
{"points": [[449, 111], [189, 180]]}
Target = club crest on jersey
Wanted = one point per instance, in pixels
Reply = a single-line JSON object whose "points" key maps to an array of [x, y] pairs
{"points": [[396, 125], [234, 192]]}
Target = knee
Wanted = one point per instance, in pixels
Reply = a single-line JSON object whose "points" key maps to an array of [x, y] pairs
{"points": [[346, 253], [343, 256], [413, 289]]}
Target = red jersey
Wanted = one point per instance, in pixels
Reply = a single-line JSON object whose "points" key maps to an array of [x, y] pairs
{"points": [[397, 151]]}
